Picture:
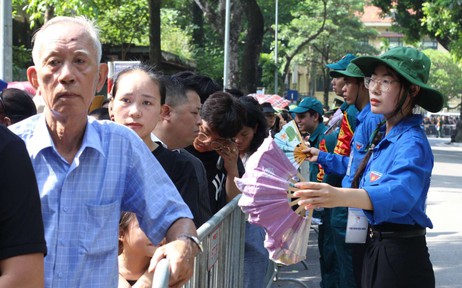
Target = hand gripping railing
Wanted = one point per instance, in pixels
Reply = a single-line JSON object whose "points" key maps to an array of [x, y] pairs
{"points": [[221, 263]]}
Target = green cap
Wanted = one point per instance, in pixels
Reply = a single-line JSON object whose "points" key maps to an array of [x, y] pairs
{"points": [[351, 71], [411, 64], [308, 103]]}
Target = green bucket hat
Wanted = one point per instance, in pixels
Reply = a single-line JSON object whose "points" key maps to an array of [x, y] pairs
{"points": [[351, 71], [411, 64]]}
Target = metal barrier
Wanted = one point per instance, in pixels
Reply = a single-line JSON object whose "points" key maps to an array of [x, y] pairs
{"points": [[162, 274], [446, 131], [222, 262]]}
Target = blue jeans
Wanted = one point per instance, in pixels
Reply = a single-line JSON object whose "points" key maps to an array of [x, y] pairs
{"points": [[256, 257]]}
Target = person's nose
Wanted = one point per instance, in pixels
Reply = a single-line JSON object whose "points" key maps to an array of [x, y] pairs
{"points": [[198, 120], [134, 111], [375, 88], [66, 75]]}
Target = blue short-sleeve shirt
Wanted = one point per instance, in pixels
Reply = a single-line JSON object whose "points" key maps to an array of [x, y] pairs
{"points": [[113, 171]]}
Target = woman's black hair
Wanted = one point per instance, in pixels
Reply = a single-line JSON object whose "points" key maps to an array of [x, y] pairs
{"points": [[203, 85], [155, 76], [17, 104], [376, 137], [254, 119], [286, 115]]}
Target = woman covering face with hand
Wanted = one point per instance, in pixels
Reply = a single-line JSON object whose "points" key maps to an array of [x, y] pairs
{"points": [[394, 177]]}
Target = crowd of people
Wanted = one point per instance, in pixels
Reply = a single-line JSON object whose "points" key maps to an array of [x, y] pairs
{"points": [[441, 125], [117, 189]]}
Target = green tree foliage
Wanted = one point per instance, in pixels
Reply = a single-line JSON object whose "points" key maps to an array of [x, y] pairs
{"points": [[342, 33], [175, 38], [21, 60], [439, 19], [445, 75], [122, 23], [443, 18]]}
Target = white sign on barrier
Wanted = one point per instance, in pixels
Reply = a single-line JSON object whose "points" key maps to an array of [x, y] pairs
{"points": [[214, 240]]}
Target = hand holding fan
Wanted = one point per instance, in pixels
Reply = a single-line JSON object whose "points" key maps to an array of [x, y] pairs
{"points": [[265, 185], [291, 143]]}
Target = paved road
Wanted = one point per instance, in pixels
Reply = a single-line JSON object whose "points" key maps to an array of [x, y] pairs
{"points": [[444, 207]]}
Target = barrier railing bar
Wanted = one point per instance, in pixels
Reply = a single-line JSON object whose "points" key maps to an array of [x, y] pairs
{"points": [[161, 274], [228, 226]]}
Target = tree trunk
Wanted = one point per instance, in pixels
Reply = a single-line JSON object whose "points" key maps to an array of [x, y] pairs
{"points": [[198, 21], [307, 41], [215, 14], [49, 13], [234, 32], [155, 52], [252, 47]]}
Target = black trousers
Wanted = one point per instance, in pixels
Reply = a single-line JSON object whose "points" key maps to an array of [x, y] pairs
{"points": [[397, 262]]}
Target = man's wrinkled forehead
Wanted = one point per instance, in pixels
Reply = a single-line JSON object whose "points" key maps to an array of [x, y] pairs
{"points": [[70, 35]]}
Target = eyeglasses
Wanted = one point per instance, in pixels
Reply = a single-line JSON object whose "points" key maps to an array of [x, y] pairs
{"points": [[216, 145], [385, 84], [2, 102]]}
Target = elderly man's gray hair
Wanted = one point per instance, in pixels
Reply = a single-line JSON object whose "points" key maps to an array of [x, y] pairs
{"points": [[87, 24]]}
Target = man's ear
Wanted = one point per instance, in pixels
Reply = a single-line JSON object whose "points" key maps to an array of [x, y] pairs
{"points": [[414, 90], [110, 108], [32, 77], [102, 75], [165, 112]]}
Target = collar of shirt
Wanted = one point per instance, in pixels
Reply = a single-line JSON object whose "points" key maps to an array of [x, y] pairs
{"points": [[404, 125], [318, 131], [41, 138], [156, 139], [363, 114]]}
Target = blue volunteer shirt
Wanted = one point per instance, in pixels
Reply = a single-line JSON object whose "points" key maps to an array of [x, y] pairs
{"points": [[397, 177], [366, 123]]}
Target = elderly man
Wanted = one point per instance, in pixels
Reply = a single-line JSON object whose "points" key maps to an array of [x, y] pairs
{"points": [[88, 171]]}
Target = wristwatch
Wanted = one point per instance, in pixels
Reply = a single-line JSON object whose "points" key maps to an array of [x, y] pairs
{"points": [[193, 239]]}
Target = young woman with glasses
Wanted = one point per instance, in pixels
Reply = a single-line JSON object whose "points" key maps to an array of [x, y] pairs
{"points": [[394, 177]]}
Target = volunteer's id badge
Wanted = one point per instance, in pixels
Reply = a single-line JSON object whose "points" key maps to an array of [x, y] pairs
{"points": [[356, 231]]}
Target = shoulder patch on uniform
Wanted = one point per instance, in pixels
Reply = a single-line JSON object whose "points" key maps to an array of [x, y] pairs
{"points": [[359, 146], [375, 176]]}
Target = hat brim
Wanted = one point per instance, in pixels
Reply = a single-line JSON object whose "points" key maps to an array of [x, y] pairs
{"points": [[428, 98], [299, 110], [268, 110], [338, 74], [335, 66]]}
